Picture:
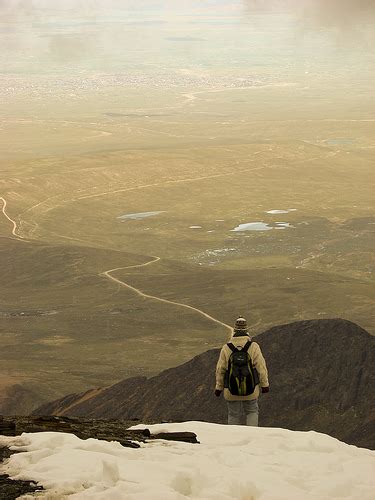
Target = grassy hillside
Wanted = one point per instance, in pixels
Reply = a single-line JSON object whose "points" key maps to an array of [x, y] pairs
{"points": [[305, 183]]}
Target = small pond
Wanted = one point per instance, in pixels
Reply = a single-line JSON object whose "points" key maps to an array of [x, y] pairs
{"points": [[339, 141], [139, 216], [261, 226], [281, 211]]}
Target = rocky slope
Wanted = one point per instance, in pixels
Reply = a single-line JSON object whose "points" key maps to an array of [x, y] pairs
{"points": [[322, 375]]}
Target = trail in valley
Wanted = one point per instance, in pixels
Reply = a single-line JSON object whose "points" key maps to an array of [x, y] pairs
{"points": [[161, 184], [13, 222], [108, 275], [195, 179]]}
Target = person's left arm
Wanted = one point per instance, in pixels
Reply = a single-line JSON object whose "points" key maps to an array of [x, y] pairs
{"points": [[260, 364]]}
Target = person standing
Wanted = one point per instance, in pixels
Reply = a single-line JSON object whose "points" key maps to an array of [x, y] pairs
{"points": [[241, 372]]}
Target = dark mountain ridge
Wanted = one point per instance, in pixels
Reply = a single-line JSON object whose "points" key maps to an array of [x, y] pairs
{"points": [[322, 377]]}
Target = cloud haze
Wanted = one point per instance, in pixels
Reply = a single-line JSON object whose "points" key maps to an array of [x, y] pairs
{"points": [[101, 27], [339, 13]]}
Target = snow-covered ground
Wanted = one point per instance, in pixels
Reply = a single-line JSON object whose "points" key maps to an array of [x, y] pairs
{"points": [[232, 462]]}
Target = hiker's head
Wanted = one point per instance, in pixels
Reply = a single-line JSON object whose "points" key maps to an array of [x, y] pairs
{"points": [[240, 326]]}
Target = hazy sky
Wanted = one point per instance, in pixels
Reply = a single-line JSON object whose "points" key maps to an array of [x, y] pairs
{"points": [[339, 13], [38, 35]]}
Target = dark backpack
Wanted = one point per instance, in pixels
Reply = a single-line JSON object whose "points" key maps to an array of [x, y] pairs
{"points": [[241, 376]]}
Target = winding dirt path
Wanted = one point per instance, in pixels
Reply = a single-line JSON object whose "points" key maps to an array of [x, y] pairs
{"points": [[7, 216], [108, 275], [13, 222], [175, 181]]}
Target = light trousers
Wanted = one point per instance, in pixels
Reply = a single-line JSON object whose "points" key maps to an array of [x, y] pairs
{"points": [[237, 410]]}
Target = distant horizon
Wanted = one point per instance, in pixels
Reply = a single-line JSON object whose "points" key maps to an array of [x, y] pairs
{"points": [[166, 164]]}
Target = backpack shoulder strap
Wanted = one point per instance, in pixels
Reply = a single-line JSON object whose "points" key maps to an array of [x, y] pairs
{"points": [[246, 346], [232, 347]]}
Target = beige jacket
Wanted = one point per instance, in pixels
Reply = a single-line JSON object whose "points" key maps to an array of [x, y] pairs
{"points": [[258, 363]]}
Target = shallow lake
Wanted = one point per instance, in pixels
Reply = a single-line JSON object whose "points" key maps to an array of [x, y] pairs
{"points": [[338, 141], [139, 215], [283, 211], [261, 226]]}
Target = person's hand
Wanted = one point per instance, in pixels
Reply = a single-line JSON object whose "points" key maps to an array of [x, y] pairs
{"points": [[265, 389], [217, 392]]}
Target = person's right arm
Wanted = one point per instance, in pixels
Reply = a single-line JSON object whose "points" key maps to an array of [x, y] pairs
{"points": [[221, 368]]}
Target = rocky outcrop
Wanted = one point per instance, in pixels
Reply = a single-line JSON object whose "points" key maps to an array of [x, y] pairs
{"points": [[104, 429], [107, 430], [322, 375]]}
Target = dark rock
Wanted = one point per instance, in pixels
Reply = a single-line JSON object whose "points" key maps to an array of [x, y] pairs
{"points": [[104, 429], [108, 430], [7, 427], [129, 444], [187, 437], [143, 432], [10, 490], [5, 453]]}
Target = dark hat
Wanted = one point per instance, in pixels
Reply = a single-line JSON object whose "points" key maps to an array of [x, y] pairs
{"points": [[240, 324]]}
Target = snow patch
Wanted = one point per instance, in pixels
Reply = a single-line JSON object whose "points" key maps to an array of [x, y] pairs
{"points": [[232, 462]]}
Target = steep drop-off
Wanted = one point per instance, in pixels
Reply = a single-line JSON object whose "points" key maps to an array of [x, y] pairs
{"points": [[322, 377]]}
